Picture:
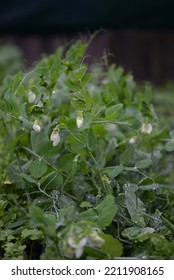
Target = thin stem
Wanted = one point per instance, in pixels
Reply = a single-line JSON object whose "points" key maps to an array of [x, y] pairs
{"points": [[39, 157], [63, 125]]}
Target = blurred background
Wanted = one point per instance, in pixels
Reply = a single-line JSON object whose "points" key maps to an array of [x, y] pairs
{"points": [[139, 33]]}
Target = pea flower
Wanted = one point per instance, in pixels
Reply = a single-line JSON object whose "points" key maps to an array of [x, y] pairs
{"points": [[36, 127], [146, 128], [78, 247], [132, 140], [31, 97], [79, 119], [55, 137]]}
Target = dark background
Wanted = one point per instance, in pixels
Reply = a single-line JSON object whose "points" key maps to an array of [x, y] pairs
{"points": [[139, 33], [50, 16]]}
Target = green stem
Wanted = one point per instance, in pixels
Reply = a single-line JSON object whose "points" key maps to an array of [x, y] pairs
{"points": [[63, 125], [39, 157], [168, 224]]}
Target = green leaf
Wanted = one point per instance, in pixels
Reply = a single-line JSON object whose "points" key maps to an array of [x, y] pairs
{"points": [[68, 213], [138, 233], [65, 201], [138, 219], [169, 146], [127, 155], [128, 120], [37, 216], [112, 247], [45, 222], [33, 234], [134, 206], [16, 224], [16, 81], [130, 187], [3, 204], [106, 210], [113, 171], [91, 140], [38, 168], [88, 215], [148, 93], [76, 52], [28, 178], [52, 180], [65, 162], [114, 111], [144, 163], [78, 73], [85, 204], [172, 134], [149, 187], [4, 234], [42, 145]]}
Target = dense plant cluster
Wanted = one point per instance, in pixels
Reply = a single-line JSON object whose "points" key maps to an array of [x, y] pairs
{"points": [[86, 166]]}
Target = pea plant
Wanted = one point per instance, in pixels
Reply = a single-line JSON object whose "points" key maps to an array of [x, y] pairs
{"points": [[86, 165]]}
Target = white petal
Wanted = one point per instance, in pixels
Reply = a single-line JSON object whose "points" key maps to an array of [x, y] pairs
{"points": [[79, 121], [82, 242], [78, 252], [146, 128], [55, 137], [56, 142], [132, 140], [36, 127], [31, 97]]}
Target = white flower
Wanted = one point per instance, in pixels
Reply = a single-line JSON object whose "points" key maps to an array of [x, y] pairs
{"points": [[146, 128], [55, 137], [31, 97], [79, 119], [78, 247], [36, 127], [132, 140]]}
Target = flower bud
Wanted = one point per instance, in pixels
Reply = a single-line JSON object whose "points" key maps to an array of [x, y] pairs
{"points": [[79, 119], [31, 97], [132, 140], [95, 239], [55, 137], [36, 127]]}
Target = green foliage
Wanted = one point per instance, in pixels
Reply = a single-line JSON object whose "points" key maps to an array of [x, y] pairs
{"points": [[106, 211], [10, 60], [86, 164]]}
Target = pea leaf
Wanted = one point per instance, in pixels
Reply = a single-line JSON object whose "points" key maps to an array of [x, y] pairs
{"points": [[88, 215], [137, 233], [144, 163], [172, 134], [169, 146], [16, 224], [34, 234], [3, 204], [112, 246], [134, 206], [106, 211], [127, 155], [114, 171], [38, 168], [65, 162], [114, 111]]}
